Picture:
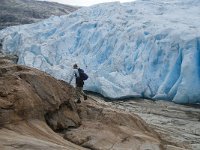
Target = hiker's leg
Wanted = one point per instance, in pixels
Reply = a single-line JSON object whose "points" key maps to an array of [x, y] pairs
{"points": [[84, 95], [82, 92], [78, 93]]}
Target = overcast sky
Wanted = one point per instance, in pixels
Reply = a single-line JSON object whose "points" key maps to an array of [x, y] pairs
{"points": [[85, 2]]}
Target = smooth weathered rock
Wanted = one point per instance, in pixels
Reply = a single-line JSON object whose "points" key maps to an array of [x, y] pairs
{"points": [[32, 135], [105, 128], [31, 93], [29, 98], [177, 125]]}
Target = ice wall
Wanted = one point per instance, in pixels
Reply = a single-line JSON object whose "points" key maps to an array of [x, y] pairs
{"points": [[145, 48]]}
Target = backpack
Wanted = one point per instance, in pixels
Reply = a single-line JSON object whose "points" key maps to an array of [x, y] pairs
{"points": [[83, 75]]}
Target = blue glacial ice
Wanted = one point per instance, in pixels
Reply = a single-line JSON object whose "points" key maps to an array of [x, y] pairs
{"points": [[145, 48]]}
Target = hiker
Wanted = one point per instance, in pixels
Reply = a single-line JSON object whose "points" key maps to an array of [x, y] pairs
{"points": [[80, 77]]}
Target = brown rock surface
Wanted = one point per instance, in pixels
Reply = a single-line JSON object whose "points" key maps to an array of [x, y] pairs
{"points": [[104, 128], [32, 135], [27, 96], [177, 125], [31, 101]]}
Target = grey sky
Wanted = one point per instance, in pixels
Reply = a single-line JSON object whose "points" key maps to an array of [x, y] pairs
{"points": [[85, 2]]}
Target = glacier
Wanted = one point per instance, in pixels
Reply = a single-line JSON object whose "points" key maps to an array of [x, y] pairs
{"points": [[147, 49]]}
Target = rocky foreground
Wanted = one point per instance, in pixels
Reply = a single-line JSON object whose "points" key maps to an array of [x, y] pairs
{"points": [[178, 125], [38, 112]]}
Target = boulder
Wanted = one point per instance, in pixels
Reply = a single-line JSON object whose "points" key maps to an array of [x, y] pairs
{"points": [[28, 99]]}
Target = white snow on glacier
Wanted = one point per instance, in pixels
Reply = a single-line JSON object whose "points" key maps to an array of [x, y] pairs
{"points": [[145, 48]]}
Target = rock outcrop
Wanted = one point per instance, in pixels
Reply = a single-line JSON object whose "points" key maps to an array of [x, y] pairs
{"points": [[38, 112], [177, 125], [105, 128], [27, 96]]}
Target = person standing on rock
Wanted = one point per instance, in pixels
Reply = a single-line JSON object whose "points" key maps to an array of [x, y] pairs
{"points": [[80, 77]]}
